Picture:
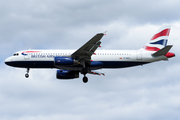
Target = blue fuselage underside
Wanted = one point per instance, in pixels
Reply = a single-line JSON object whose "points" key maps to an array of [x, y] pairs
{"points": [[50, 64]]}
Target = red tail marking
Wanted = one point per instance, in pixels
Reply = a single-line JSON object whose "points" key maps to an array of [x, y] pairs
{"points": [[151, 48], [164, 32]]}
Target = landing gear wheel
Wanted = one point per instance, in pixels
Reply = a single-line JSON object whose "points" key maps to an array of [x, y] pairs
{"points": [[85, 79], [26, 75]]}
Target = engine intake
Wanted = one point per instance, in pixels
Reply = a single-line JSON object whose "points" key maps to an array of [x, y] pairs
{"points": [[67, 74], [65, 61]]}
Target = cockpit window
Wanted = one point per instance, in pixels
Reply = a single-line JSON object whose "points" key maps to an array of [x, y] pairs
{"points": [[16, 54]]}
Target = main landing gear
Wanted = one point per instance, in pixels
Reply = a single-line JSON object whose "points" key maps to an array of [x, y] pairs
{"points": [[84, 72], [85, 79], [27, 74]]}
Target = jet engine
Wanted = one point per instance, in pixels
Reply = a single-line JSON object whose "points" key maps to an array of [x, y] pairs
{"points": [[65, 61], [67, 74]]}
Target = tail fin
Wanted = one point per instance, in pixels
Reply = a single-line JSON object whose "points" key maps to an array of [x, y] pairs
{"points": [[159, 40]]}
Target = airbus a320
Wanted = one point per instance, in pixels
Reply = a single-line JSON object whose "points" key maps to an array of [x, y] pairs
{"points": [[86, 59]]}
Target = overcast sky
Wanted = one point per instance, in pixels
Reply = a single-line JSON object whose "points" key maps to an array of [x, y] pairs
{"points": [[149, 92]]}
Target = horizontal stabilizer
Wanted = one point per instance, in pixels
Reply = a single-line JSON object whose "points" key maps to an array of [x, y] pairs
{"points": [[163, 51]]}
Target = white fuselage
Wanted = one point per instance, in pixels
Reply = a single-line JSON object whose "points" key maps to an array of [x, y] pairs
{"points": [[109, 58]]}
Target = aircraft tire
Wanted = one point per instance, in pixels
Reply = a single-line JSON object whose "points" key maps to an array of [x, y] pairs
{"points": [[85, 79], [26, 75]]}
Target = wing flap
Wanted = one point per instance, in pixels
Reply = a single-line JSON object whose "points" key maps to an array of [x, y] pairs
{"points": [[96, 73]]}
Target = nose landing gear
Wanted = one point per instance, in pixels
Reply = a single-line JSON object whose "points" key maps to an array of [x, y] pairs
{"points": [[27, 74]]}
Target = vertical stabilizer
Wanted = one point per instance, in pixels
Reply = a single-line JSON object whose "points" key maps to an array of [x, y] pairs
{"points": [[159, 40]]}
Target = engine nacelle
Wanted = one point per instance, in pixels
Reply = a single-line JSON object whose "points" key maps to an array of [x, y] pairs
{"points": [[67, 74], [65, 61]]}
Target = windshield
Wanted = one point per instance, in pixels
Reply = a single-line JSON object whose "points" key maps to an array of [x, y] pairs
{"points": [[16, 54]]}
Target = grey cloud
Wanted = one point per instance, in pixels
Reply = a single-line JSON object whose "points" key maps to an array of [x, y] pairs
{"points": [[44, 21], [144, 92]]}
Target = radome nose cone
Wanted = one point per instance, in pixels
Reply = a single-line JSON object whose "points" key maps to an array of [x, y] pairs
{"points": [[7, 61]]}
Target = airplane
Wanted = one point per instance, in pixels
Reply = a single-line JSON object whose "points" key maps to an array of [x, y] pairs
{"points": [[86, 59]]}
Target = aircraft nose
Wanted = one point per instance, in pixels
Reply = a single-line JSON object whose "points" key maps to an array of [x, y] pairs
{"points": [[7, 61]]}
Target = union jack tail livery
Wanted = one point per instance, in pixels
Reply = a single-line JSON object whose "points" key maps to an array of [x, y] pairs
{"points": [[158, 43], [159, 40]]}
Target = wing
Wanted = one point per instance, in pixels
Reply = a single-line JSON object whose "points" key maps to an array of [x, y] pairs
{"points": [[84, 53]]}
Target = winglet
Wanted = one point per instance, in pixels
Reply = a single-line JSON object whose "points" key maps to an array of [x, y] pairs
{"points": [[162, 51], [105, 32]]}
